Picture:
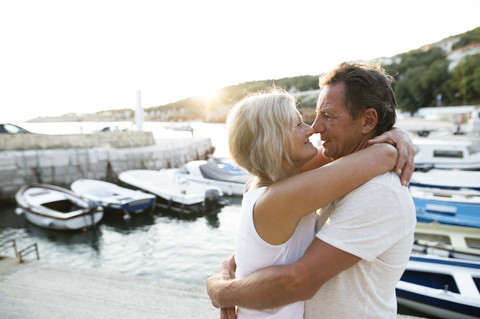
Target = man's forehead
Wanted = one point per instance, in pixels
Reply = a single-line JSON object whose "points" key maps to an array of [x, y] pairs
{"points": [[324, 106]]}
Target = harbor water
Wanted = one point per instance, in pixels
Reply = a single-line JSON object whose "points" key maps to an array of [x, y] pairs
{"points": [[156, 244]]}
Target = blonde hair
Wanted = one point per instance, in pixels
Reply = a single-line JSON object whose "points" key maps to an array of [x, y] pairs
{"points": [[260, 133]]}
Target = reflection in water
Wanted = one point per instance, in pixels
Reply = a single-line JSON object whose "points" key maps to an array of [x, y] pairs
{"points": [[89, 237], [157, 243]]}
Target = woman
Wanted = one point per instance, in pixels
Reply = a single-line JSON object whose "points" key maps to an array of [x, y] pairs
{"points": [[268, 138]]}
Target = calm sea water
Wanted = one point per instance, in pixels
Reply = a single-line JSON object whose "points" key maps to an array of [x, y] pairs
{"points": [[155, 244]]}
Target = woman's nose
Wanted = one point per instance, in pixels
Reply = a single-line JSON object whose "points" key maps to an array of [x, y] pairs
{"points": [[309, 130]]}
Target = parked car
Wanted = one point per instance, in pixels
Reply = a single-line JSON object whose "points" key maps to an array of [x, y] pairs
{"points": [[7, 128], [112, 129]]}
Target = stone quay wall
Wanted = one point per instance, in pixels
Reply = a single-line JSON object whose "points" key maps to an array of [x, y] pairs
{"points": [[46, 141], [62, 166]]}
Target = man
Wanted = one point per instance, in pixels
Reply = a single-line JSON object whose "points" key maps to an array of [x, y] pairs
{"points": [[364, 239]]}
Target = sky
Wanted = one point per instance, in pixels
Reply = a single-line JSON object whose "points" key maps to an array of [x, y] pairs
{"points": [[85, 56]]}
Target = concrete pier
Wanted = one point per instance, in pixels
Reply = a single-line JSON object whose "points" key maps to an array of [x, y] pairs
{"points": [[63, 165], [40, 290]]}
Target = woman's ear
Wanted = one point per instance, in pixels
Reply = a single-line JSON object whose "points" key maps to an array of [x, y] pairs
{"points": [[370, 121]]}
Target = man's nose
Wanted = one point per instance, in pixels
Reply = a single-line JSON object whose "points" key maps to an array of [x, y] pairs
{"points": [[317, 125]]}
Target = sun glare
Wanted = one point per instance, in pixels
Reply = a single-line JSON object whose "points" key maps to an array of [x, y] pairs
{"points": [[210, 94]]}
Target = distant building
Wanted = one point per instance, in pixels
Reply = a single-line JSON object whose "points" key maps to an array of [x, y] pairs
{"points": [[454, 56], [388, 60], [446, 44], [458, 54]]}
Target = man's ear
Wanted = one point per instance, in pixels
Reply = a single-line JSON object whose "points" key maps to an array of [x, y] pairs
{"points": [[370, 121]]}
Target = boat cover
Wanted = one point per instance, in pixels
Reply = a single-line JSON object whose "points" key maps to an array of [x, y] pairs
{"points": [[211, 170]]}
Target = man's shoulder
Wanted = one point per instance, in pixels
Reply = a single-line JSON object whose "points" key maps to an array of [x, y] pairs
{"points": [[381, 185], [387, 181], [389, 178]]}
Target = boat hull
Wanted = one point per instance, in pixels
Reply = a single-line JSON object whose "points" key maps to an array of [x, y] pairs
{"points": [[113, 197], [447, 240], [443, 287], [76, 223], [453, 207], [460, 214], [53, 207], [173, 190], [218, 173], [451, 179]]}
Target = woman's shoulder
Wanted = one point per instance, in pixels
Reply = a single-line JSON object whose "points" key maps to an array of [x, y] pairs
{"points": [[253, 184]]}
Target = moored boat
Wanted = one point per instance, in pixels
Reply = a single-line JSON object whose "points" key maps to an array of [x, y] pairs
{"points": [[55, 207], [453, 179], [220, 173], [113, 197], [442, 287], [446, 206], [447, 240], [173, 190], [445, 154]]}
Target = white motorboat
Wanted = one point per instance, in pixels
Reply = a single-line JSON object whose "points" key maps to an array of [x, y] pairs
{"points": [[173, 190], [442, 287], [447, 241], [54, 207], [447, 179], [222, 173], [113, 197], [459, 207], [445, 154]]}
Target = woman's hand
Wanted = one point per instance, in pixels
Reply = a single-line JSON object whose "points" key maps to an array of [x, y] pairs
{"points": [[405, 164]]}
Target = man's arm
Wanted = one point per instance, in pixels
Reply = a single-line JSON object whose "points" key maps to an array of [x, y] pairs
{"points": [[280, 285]]}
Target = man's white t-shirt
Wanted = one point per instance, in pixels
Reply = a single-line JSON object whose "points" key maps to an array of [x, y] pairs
{"points": [[375, 222]]}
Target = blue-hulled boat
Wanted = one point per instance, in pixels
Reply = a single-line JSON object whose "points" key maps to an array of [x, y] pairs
{"points": [[453, 207], [442, 287], [113, 197]]}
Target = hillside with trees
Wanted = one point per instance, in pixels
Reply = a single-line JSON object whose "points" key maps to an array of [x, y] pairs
{"points": [[423, 78], [423, 75]]}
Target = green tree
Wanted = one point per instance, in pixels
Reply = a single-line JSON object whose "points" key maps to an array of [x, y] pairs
{"points": [[463, 86]]}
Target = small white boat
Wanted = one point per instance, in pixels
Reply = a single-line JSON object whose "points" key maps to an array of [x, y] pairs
{"points": [[173, 190], [54, 207], [447, 179], [445, 154], [447, 206], [447, 241], [442, 287], [222, 173], [113, 197]]}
